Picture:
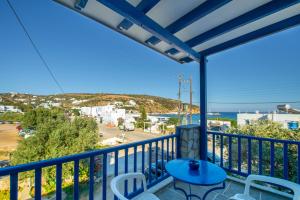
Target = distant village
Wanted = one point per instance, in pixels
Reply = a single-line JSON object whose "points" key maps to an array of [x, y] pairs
{"points": [[118, 113], [114, 114]]}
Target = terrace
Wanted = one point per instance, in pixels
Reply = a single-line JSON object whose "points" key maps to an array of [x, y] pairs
{"points": [[197, 29]]}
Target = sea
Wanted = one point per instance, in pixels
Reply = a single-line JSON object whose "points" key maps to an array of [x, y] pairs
{"points": [[196, 117]]}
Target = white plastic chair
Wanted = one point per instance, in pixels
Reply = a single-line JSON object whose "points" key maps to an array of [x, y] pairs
{"points": [[287, 184], [117, 183]]}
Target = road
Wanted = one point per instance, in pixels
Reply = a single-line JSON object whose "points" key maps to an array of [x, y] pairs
{"points": [[9, 140], [130, 136]]}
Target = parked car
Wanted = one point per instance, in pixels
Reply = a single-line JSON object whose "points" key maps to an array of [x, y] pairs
{"points": [[121, 127], [1, 122], [128, 126], [26, 133], [22, 133]]}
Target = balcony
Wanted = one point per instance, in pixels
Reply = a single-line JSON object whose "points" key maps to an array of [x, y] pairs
{"points": [[239, 155]]}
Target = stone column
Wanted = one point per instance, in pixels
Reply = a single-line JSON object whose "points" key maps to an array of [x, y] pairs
{"points": [[189, 141]]}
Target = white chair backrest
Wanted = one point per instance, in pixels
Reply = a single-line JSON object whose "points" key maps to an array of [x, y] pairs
{"points": [[287, 184], [118, 182]]}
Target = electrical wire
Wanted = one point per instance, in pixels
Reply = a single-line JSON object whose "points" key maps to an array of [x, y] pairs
{"points": [[35, 47]]}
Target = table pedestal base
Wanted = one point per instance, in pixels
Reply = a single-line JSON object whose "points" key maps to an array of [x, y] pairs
{"points": [[190, 195]]}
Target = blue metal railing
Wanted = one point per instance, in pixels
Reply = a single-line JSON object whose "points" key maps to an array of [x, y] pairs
{"points": [[243, 155], [165, 143]]}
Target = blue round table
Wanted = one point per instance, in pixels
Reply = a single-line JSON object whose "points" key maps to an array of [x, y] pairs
{"points": [[208, 174]]}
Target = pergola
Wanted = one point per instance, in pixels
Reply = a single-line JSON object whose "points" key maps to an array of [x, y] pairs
{"points": [[191, 30]]}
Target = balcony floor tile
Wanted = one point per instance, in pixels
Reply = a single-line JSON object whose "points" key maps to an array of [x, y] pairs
{"points": [[232, 188]]}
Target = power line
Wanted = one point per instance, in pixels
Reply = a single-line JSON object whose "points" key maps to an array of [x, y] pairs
{"points": [[34, 46]]}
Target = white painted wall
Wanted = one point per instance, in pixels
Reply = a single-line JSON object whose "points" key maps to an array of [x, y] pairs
{"points": [[284, 119]]}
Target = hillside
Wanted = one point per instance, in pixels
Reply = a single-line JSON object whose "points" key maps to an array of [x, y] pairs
{"points": [[152, 104]]}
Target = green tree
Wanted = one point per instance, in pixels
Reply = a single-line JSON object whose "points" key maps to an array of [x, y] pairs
{"points": [[76, 112], [172, 121], [142, 119], [120, 121], [11, 116], [40, 116], [55, 136], [267, 129], [143, 113]]}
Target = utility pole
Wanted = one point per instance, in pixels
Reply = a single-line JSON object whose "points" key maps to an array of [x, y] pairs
{"points": [[191, 100], [179, 99], [185, 108]]}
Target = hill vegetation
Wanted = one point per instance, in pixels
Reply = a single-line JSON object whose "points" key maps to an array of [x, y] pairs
{"points": [[152, 104]]}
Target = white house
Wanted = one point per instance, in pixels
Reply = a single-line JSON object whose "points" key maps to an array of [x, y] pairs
{"points": [[77, 102], [21, 100], [9, 109], [108, 114], [50, 104], [284, 119], [132, 103], [118, 103]]}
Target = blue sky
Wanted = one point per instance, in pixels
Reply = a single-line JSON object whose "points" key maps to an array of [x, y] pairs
{"points": [[88, 57]]}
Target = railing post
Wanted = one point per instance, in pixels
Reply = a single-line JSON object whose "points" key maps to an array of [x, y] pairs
{"points": [[38, 184], [104, 175], [58, 181], [178, 153], [14, 186], [76, 179], [203, 108], [91, 178]]}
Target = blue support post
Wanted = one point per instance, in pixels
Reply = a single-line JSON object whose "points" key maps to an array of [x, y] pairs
{"points": [[260, 157], [230, 152], [116, 168], [150, 163], [14, 186], [156, 160], [178, 152], [168, 153], [37, 184], [298, 167], [126, 171], [76, 179], [214, 148], [104, 176], [91, 178], [272, 159], [143, 158], [58, 181], [239, 154], [249, 156], [221, 150], [162, 157], [203, 108], [285, 161], [135, 166]]}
